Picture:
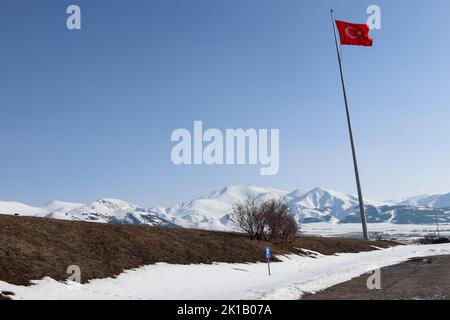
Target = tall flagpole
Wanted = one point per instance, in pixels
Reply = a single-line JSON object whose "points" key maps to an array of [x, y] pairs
{"points": [[350, 131]]}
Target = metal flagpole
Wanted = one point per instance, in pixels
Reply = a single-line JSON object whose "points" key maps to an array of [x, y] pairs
{"points": [[355, 163]]}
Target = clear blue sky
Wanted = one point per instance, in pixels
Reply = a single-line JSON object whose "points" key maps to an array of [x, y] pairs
{"points": [[88, 114]]}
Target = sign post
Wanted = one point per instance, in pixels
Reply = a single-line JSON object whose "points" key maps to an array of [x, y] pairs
{"points": [[268, 256]]}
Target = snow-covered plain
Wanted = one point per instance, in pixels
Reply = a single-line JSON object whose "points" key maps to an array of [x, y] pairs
{"points": [[292, 277], [383, 230]]}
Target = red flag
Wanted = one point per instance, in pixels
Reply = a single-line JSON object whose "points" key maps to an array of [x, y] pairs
{"points": [[354, 34]]}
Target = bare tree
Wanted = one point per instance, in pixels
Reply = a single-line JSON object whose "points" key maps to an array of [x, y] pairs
{"points": [[265, 220], [280, 223], [245, 215]]}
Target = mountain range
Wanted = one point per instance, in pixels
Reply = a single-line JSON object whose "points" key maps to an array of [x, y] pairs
{"points": [[211, 211]]}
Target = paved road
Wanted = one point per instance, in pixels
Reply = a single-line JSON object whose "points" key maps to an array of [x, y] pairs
{"points": [[421, 278]]}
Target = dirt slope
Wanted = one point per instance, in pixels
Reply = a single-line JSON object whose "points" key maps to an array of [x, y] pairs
{"points": [[31, 248]]}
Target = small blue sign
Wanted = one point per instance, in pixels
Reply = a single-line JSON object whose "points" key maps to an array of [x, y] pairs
{"points": [[268, 256]]}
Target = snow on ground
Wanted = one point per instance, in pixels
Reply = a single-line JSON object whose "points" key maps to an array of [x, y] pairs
{"points": [[386, 230], [290, 278]]}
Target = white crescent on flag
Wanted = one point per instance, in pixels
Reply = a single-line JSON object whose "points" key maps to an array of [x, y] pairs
{"points": [[356, 33]]}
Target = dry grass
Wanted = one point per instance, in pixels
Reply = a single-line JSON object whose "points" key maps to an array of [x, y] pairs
{"points": [[32, 248]]}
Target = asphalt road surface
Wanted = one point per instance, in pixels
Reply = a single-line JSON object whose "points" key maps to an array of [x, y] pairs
{"points": [[419, 278]]}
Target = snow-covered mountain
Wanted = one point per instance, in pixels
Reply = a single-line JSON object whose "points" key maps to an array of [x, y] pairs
{"points": [[118, 212], [321, 204], [412, 201], [438, 201], [103, 211], [401, 214], [56, 208], [212, 210], [317, 205]]}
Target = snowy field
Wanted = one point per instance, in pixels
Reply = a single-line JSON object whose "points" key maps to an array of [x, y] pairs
{"points": [[386, 230], [290, 278]]}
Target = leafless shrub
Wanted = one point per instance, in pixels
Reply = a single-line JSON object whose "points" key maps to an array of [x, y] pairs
{"points": [[248, 217], [280, 223], [265, 220]]}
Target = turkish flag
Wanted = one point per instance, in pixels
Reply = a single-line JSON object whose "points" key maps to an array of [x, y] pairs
{"points": [[354, 34]]}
